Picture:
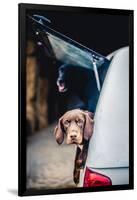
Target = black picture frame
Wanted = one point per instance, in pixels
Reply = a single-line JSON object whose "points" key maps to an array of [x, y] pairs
{"points": [[23, 8]]}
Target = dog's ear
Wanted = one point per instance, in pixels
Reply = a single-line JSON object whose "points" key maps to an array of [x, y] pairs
{"points": [[89, 124], [59, 133]]}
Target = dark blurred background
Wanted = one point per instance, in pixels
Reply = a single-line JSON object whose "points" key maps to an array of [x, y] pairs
{"points": [[103, 33]]}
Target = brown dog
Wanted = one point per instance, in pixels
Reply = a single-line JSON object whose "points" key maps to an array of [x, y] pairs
{"points": [[77, 125]]}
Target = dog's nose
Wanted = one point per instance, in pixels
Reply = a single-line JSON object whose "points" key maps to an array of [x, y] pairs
{"points": [[73, 136], [60, 81]]}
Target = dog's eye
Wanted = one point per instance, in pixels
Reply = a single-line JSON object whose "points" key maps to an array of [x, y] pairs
{"points": [[79, 122], [66, 123]]}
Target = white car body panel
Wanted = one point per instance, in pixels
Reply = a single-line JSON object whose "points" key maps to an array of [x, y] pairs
{"points": [[109, 146]]}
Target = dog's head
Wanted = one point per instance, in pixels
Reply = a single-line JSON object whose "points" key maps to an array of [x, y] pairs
{"points": [[62, 78], [77, 125]]}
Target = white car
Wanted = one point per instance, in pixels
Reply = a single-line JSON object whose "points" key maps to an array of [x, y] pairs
{"points": [[108, 154]]}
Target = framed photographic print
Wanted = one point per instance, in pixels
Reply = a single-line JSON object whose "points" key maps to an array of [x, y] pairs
{"points": [[75, 99]]}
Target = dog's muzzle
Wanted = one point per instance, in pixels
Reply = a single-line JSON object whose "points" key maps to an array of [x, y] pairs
{"points": [[61, 86]]}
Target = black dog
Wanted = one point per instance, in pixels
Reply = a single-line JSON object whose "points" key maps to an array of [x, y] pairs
{"points": [[81, 82]]}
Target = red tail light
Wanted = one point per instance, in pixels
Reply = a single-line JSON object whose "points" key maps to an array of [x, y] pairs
{"points": [[94, 179]]}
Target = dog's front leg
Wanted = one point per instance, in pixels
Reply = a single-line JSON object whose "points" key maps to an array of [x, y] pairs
{"points": [[76, 173], [81, 159]]}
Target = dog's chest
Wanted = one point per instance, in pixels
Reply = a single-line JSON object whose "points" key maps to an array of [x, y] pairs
{"points": [[80, 146]]}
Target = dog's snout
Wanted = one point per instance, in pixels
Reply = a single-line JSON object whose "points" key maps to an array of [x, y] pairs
{"points": [[73, 135], [60, 81]]}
